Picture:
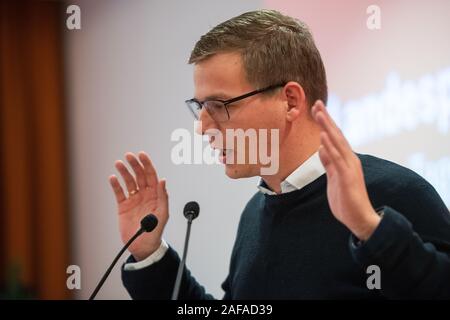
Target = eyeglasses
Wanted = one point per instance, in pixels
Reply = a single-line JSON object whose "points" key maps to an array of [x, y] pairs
{"points": [[218, 109]]}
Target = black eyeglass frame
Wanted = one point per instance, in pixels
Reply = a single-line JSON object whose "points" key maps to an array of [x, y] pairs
{"points": [[229, 101]]}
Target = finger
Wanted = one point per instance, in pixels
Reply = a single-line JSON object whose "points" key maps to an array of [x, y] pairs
{"points": [[117, 188], [320, 106], [333, 154], [326, 161], [162, 192], [324, 157], [150, 172], [163, 188], [327, 123], [334, 133], [138, 170], [126, 176]]}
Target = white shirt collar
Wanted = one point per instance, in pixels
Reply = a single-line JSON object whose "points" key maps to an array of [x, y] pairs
{"points": [[306, 173]]}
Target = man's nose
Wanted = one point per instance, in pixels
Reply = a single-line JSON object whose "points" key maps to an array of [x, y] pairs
{"points": [[205, 122]]}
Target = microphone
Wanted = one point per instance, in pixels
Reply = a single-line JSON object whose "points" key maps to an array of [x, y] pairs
{"points": [[191, 211], [148, 223]]}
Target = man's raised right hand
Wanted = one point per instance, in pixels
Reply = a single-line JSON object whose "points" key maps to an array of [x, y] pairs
{"points": [[146, 194]]}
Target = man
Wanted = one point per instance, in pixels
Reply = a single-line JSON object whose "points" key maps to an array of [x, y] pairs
{"points": [[327, 214]]}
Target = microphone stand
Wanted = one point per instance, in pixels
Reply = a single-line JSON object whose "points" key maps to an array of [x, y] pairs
{"points": [[148, 223], [176, 288]]}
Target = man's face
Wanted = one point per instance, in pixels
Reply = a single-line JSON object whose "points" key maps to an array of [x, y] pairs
{"points": [[222, 77]]}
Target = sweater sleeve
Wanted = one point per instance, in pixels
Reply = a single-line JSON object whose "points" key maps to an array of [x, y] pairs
{"points": [[157, 280], [411, 246]]}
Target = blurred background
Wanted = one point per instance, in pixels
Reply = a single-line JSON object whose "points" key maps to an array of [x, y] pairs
{"points": [[72, 101]]}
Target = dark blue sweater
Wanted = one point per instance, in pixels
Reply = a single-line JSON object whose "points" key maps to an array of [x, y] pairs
{"points": [[290, 246]]}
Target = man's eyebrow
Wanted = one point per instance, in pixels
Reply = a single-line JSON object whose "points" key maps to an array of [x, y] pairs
{"points": [[216, 96]]}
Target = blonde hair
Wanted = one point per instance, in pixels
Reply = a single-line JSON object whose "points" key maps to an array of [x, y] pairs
{"points": [[275, 48]]}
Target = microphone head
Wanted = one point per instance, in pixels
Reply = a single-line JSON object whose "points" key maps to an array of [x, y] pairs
{"points": [[191, 209], [149, 222]]}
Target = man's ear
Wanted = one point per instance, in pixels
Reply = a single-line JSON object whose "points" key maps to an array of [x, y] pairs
{"points": [[295, 99]]}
